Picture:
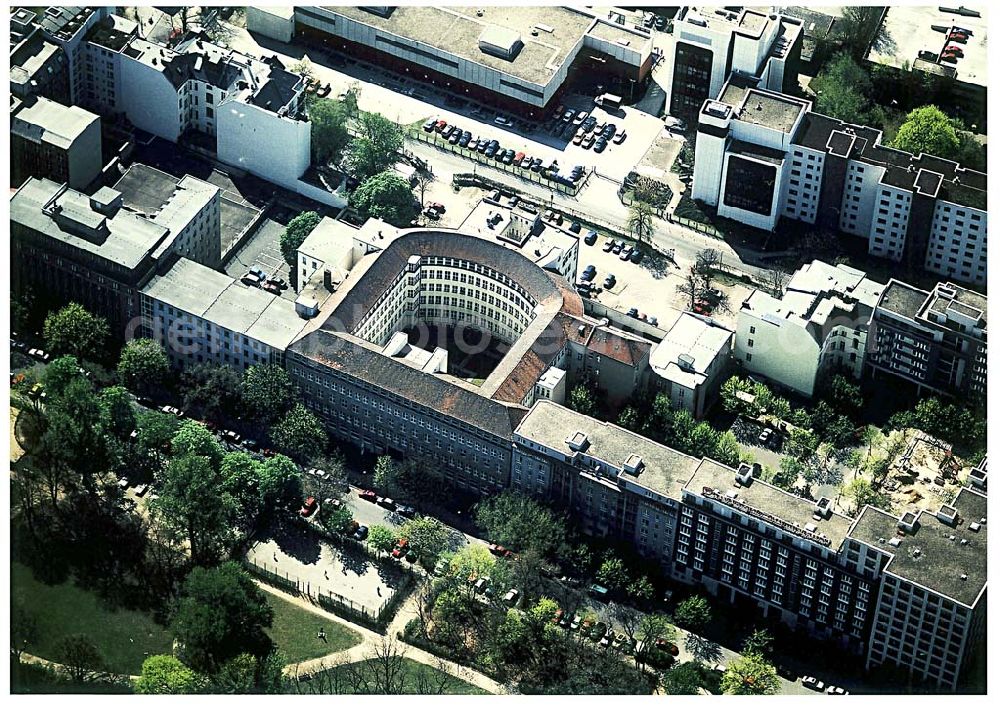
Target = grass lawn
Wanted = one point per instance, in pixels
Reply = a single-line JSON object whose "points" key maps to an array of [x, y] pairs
{"points": [[122, 636], [414, 670], [294, 632]]}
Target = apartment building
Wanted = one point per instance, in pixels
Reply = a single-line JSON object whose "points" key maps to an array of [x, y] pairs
{"points": [[690, 363], [935, 340], [38, 67], [713, 43], [249, 110], [65, 28], [49, 139], [761, 156], [517, 58], [200, 315], [929, 607], [616, 483], [819, 324], [753, 544]]}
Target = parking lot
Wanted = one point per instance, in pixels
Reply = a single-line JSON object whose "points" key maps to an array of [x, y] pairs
{"points": [[650, 285], [263, 251]]}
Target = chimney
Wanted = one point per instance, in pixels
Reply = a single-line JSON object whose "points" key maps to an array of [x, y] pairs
{"points": [[328, 280]]}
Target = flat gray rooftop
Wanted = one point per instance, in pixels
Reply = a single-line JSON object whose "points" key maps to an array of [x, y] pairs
{"points": [[146, 189], [936, 555], [903, 299], [665, 470], [770, 110], [456, 30], [768, 499], [57, 124]]}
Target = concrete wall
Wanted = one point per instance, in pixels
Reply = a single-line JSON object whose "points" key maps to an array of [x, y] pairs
{"points": [[957, 233], [786, 353], [149, 100], [274, 22]]}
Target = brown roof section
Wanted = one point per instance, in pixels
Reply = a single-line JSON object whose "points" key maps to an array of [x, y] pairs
{"points": [[624, 350]]}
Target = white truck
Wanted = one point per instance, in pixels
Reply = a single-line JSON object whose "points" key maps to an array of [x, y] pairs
{"points": [[608, 101]]}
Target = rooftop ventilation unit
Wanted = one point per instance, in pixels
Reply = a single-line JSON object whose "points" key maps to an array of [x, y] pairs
{"points": [[908, 522], [633, 464], [974, 527], [744, 474], [948, 515], [823, 508], [895, 541], [964, 577], [578, 441]]}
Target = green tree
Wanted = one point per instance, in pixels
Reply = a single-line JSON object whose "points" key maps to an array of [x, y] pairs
{"points": [[521, 523], [860, 28], [23, 631], [683, 679], [727, 449], [329, 120], [79, 656], [300, 434], [280, 482], [75, 437], [193, 438], [641, 589], [165, 674], [613, 574], [143, 364], [117, 412], [250, 674], [581, 399], [220, 614], [386, 475], [750, 675], [842, 90], [295, 234], [377, 147], [385, 195], [267, 390], [381, 538], [471, 562], [76, 331], [427, 537], [801, 444], [862, 493], [336, 520], [734, 394], [211, 388], [156, 429], [701, 441], [928, 130], [843, 395], [629, 419], [693, 613], [759, 642], [191, 508], [788, 473], [240, 479], [640, 221], [59, 374]]}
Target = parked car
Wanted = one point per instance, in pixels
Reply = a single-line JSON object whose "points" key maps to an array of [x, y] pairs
{"points": [[620, 137], [608, 245], [765, 436], [429, 125], [525, 162], [588, 275], [633, 312], [368, 495], [580, 117], [636, 255], [626, 253], [813, 683], [334, 503], [400, 549], [587, 142], [501, 120], [308, 507], [168, 409], [568, 116], [610, 281], [536, 164], [609, 131], [836, 691], [362, 533], [617, 247], [481, 584], [511, 597], [600, 145], [591, 237], [406, 511], [387, 503], [578, 137], [575, 623], [574, 227], [439, 207], [447, 130]]}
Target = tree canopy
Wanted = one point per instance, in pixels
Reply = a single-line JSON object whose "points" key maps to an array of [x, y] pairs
{"points": [[385, 195], [750, 675], [267, 390], [521, 523], [928, 130], [329, 120], [220, 614], [76, 331], [297, 230], [165, 674], [377, 147], [300, 434], [143, 364]]}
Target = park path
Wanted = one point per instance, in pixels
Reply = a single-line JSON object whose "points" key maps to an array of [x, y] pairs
{"points": [[370, 638], [32, 659]]}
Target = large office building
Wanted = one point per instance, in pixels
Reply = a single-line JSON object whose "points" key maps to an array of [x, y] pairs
{"points": [[908, 590], [713, 43], [49, 139], [248, 111], [761, 156], [517, 58], [819, 324], [929, 609], [935, 340]]}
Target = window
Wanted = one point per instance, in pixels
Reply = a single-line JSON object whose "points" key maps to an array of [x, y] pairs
{"points": [[749, 357]]}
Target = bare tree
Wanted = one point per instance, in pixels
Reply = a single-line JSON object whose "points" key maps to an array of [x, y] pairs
{"points": [[424, 179], [630, 621], [775, 281], [691, 285], [385, 670], [706, 263], [640, 221], [433, 681]]}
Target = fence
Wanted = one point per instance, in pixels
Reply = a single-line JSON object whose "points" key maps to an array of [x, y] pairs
{"points": [[335, 603], [700, 227], [525, 174]]}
